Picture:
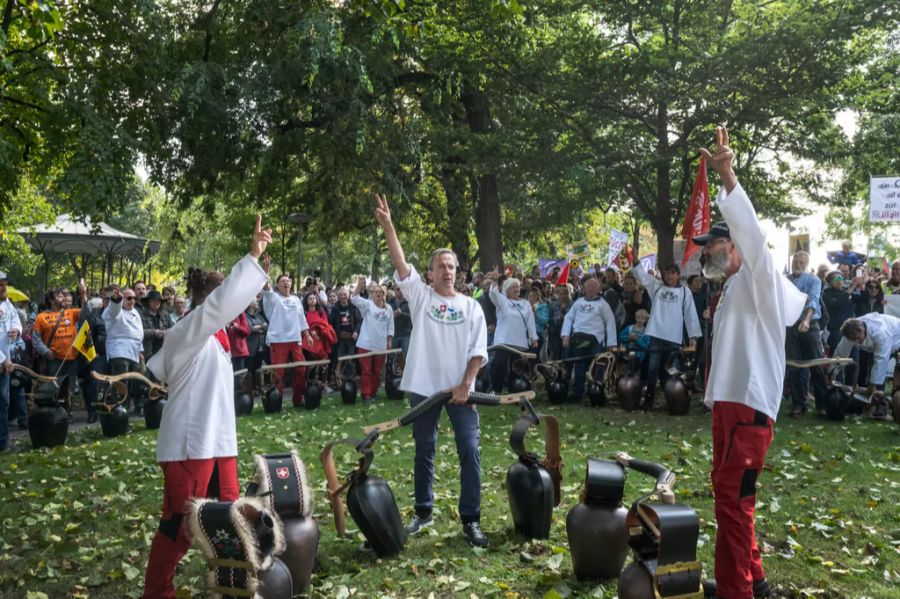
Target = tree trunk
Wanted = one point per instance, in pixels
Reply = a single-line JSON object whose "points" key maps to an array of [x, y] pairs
{"points": [[487, 200], [454, 183], [665, 237]]}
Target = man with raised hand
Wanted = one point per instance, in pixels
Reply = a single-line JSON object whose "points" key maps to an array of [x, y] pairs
{"points": [[447, 347], [745, 383]]}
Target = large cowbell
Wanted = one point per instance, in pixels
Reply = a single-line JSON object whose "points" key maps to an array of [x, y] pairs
{"points": [[598, 537], [533, 485], [280, 480], [664, 538], [369, 499]]}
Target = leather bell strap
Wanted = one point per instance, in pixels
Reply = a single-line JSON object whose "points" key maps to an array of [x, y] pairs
{"points": [[335, 487], [282, 481], [665, 479], [608, 361], [552, 460]]}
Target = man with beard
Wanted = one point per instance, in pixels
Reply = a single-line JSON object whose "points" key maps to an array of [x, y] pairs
{"points": [[745, 382], [447, 347]]}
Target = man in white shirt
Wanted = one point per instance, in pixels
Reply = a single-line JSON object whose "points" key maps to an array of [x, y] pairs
{"points": [[588, 327], [287, 328], [745, 382], [671, 312], [878, 334], [10, 329], [447, 348]]}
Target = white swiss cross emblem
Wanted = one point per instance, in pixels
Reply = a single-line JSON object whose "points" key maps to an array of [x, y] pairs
{"points": [[282, 473]]}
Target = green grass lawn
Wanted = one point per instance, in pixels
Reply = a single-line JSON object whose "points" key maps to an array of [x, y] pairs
{"points": [[77, 520]]}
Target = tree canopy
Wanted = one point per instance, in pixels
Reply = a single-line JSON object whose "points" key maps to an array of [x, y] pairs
{"points": [[501, 128]]}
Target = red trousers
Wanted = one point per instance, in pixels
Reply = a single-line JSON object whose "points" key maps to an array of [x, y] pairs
{"points": [[369, 373], [282, 353], [741, 438], [183, 481]]}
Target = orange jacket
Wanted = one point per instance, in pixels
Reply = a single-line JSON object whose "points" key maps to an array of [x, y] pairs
{"points": [[61, 345]]}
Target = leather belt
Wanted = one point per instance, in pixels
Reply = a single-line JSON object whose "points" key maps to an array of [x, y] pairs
{"points": [[281, 481], [335, 487], [553, 460]]}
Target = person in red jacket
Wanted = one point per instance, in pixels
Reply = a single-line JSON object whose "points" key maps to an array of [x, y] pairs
{"points": [[238, 330], [317, 346]]}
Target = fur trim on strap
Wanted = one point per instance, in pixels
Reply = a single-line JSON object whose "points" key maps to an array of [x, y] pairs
{"points": [[229, 533], [289, 492]]}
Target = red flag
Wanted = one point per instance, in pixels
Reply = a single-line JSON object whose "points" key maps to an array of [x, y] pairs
{"points": [[696, 221], [563, 277]]}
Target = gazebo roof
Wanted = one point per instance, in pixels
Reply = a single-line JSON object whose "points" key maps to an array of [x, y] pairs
{"points": [[68, 236]]}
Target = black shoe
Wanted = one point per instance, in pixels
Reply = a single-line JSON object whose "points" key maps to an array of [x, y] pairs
{"points": [[475, 535], [92, 417], [418, 524], [647, 405]]}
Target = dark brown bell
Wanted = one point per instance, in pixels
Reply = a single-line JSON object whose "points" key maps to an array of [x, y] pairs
{"points": [[153, 411], [836, 402], [275, 583], [301, 537], [348, 392], [48, 426], [895, 406], [557, 391], [636, 583], [677, 396], [628, 390], [115, 422], [313, 395], [272, 401], [597, 540], [243, 403], [596, 396]]}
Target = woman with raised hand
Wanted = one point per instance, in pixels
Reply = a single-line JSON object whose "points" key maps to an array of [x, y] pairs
{"points": [[515, 326], [197, 443], [375, 334]]}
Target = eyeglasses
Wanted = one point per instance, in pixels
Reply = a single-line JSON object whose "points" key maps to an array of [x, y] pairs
{"points": [[129, 298], [838, 278]]}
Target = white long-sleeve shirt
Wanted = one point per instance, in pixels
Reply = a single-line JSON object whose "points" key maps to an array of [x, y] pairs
{"points": [[447, 332], [757, 305], [198, 422], [124, 332], [882, 339], [515, 320], [377, 324], [9, 321], [593, 317], [671, 309], [287, 320]]}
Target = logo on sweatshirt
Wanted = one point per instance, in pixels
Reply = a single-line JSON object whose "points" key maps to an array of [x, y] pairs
{"points": [[380, 315], [446, 314], [668, 295]]}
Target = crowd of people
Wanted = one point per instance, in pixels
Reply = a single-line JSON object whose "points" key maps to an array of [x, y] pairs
{"points": [[650, 313]]}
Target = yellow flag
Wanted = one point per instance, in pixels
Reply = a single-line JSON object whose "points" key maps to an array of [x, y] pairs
{"points": [[84, 344]]}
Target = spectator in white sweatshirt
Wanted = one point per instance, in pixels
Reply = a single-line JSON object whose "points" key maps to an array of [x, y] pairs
{"points": [[672, 311], [124, 338], [588, 328], [287, 328], [515, 327], [375, 334]]}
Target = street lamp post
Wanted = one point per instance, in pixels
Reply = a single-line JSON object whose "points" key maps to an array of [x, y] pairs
{"points": [[300, 219]]}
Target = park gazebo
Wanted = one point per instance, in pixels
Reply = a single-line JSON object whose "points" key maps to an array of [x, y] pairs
{"points": [[95, 244]]}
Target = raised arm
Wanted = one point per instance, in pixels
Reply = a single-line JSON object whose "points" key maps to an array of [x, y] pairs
{"points": [[383, 216], [648, 282]]}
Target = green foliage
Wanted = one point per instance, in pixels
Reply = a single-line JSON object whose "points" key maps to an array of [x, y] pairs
{"points": [[78, 520]]}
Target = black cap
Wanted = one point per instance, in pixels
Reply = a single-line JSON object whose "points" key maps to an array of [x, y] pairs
{"points": [[720, 229], [671, 267], [154, 295]]}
